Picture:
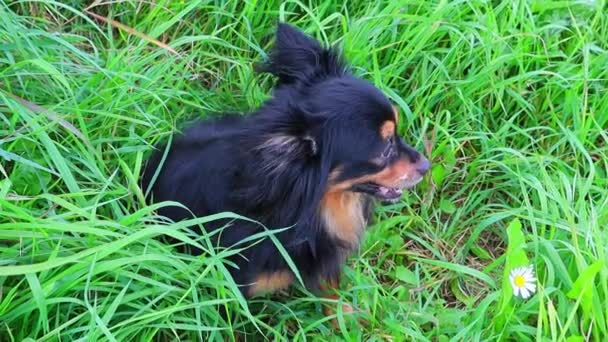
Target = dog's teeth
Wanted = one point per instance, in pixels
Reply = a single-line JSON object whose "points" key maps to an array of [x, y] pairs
{"points": [[383, 190]]}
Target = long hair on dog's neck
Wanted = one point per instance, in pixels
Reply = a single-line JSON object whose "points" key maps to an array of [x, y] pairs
{"points": [[290, 166]]}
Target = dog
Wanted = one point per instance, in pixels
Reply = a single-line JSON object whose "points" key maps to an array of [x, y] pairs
{"points": [[314, 159]]}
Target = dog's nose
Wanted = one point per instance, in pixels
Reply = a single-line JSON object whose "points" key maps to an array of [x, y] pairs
{"points": [[423, 166]]}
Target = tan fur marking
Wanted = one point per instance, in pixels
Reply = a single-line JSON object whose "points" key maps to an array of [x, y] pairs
{"points": [[271, 282], [387, 129], [394, 174], [343, 215], [390, 176]]}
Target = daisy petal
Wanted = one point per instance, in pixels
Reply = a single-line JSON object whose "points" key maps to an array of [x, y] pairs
{"points": [[523, 281]]}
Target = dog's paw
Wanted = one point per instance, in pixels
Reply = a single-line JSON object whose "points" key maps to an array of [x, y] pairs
{"points": [[348, 312]]}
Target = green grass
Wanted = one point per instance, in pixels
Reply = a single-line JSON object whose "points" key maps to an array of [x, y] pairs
{"points": [[509, 98]]}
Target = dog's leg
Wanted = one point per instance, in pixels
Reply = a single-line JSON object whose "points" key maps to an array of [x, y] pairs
{"points": [[328, 289]]}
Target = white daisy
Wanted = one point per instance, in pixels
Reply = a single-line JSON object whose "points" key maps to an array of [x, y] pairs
{"points": [[523, 281]]}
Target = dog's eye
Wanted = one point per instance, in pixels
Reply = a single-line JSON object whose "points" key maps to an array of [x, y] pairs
{"points": [[389, 150]]}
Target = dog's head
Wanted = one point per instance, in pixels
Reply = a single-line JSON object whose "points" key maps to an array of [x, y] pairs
{"points": [[348, 123]]}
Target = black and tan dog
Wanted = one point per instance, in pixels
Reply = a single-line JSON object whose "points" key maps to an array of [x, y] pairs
{"points": [[315, 158]]}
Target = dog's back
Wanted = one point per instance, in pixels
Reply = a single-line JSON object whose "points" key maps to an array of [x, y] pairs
{"points": [[195, 170]]}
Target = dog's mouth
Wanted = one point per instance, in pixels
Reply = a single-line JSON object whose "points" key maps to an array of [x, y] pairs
{"points": [[383, 193]]}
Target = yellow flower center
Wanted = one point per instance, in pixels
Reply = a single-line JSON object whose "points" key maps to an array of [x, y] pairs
{"points": [[519, 281]]}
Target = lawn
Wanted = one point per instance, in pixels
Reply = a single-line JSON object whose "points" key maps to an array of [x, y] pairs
{"points": [[508, 98]]}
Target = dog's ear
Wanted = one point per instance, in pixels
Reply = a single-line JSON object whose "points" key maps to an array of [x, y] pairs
{"points": [[298, 57], [290, 38]]}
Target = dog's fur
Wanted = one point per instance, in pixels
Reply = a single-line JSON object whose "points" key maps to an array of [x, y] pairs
{"points": [[313, 158]]}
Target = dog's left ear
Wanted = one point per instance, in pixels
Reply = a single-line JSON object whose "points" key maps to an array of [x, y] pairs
{"points": [[298, 57]]}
